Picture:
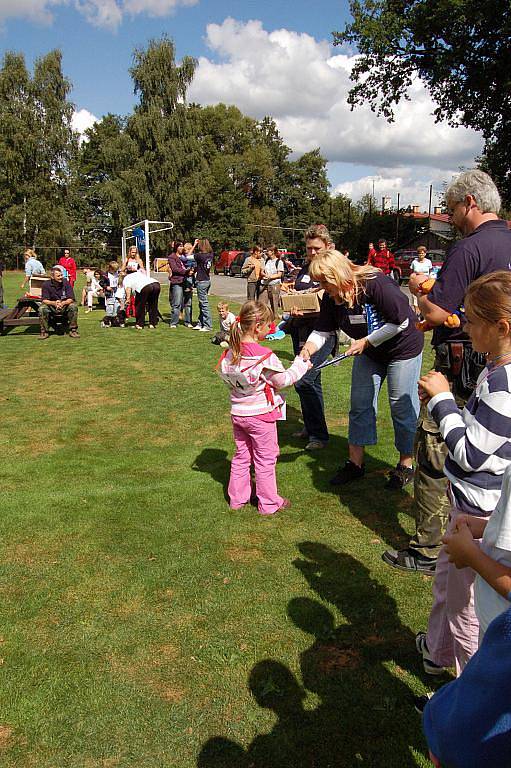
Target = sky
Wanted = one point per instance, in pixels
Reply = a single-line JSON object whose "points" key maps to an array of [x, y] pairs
{"points": [[267, 57]]}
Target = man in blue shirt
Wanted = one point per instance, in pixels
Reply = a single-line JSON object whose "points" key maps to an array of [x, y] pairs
{"points": [[58, 299], [32, 266]]}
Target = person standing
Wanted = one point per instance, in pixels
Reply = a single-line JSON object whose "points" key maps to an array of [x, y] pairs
{"points": [[271, 279], [188, 260], [203, 260], [147, 293], [251, 269], [132, 262], [382, 258], [420, 266], [309, 387], [473, 203], [177, 272], [69, 264], [371, 308]]}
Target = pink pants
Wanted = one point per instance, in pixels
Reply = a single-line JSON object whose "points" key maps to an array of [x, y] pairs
{"points": [[453, 628], [257, 444]]}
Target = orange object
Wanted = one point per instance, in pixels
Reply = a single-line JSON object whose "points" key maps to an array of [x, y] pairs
{"points": [[453, 321]]}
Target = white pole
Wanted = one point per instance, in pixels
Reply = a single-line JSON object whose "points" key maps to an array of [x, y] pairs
{"points": [[147, 254], [123, 246]]}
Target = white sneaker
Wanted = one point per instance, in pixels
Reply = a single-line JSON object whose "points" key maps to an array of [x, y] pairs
{"points": [[206, 330], [197, 327], [173, 326], [189, 325]]}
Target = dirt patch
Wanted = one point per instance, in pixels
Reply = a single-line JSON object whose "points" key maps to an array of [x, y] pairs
{"points": [[243, 555], [129, 608], [174, 695], [6, 736], [31, 553], [330, 659]]}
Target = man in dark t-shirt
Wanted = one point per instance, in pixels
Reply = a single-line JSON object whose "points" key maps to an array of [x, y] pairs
{"points": [[473, 202], [58, 299]]}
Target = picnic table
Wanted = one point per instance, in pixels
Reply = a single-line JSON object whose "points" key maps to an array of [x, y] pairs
{"points": [[25, 312]]}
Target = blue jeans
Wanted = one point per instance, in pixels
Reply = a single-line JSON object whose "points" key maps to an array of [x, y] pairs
{"points": [[310, 392], [367, 377], [187, 305], [176, 301], [205, 319]]}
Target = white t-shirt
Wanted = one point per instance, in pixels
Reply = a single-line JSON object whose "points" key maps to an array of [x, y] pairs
{"points": [[271, 267], [496, 544], [137, 280], [225, 323], [421, 267]]}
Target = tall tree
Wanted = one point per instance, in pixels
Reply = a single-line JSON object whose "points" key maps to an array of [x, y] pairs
{"points": [[37, 146], [460, 50]]}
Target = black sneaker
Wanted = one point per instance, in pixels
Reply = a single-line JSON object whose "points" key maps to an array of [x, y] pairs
{"points": [[346, 474], [407, 560], [419, 702], [399, 477]]}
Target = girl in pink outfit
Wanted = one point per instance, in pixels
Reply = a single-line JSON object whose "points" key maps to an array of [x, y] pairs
{"points": [[254, 374]]}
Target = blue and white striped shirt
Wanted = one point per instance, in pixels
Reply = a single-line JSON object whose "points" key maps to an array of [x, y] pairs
{"points": [[478, 439]]}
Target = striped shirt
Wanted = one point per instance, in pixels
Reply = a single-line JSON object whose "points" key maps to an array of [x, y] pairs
{"points": [[478, 439]]}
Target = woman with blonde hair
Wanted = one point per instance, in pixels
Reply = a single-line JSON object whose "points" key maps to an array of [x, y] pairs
{"points": [[370, 307], [132, 262]]}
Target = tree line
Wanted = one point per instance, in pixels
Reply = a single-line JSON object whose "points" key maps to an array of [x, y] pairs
{"points": [[213, 171]]}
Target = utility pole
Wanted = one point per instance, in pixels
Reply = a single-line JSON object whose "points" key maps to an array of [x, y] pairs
{"points": [[429, 214], [397, 220]]}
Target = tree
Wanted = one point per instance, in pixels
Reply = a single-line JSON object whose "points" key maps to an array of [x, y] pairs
{"points": [[37, 146], [458, 48]]}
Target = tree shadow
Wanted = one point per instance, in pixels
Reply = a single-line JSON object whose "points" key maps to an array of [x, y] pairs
{"points": [[364, 715]]}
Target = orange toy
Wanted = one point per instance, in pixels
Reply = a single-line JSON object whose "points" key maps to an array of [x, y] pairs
{"points": [[453, 321]]}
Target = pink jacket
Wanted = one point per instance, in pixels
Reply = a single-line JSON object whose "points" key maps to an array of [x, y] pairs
{"points": [[254, 380]]}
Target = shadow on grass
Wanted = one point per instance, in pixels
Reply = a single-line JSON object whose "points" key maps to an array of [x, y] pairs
{"points": [[366, 499], [364, 714], [215, 462]]}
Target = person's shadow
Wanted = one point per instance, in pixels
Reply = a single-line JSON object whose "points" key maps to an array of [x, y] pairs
{"points": [[214, 462], [364, 715]]}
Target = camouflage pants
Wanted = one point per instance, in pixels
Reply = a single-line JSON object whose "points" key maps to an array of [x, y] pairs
{"points": [[69, 315], [429, 488], [430, 484]]}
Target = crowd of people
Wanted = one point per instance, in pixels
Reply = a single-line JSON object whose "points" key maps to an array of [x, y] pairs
{"points": [[454, 422], [451, 426]]}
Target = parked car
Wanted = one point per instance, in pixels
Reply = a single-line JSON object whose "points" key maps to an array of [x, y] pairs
{"points": [[237, 263], [404, 257], [223, 261]]}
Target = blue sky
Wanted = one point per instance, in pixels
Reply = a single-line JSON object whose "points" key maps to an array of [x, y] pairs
{"points": [[267, 57]]}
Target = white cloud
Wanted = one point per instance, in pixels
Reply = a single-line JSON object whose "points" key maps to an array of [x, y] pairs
{"points": [[82, 120], [101, 13], [412, 185], [298, 81]]}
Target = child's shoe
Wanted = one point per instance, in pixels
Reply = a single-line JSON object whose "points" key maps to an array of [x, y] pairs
{"points": [[422, 649], [285, 505]]}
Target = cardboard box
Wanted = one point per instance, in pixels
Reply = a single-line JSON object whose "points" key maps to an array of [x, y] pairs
{"points": [[305, 301], [36, 284]]}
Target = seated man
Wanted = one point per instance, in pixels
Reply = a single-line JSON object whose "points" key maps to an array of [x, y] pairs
{"points": [[58, 299]]}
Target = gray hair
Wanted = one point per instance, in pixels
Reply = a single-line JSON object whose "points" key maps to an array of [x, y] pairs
{"points": [[480, 186]]}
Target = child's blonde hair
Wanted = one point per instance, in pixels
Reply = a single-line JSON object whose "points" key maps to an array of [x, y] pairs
{"points": [[489, 297], [222, 305], [251, 312], [335, 268]]}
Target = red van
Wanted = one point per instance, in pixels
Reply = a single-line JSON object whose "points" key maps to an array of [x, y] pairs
{"points": [[223, 261]]}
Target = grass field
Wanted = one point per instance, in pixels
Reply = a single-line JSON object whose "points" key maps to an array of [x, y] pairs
{"points": [[143, 623]]}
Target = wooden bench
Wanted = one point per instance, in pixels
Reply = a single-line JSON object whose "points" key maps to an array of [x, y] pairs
{"points": [[25, 312]]}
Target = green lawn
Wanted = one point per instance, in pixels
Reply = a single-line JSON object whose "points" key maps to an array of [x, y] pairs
{"points": [[143, 623]]}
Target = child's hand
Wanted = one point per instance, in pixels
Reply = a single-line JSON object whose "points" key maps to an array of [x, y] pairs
{"points": [[433, 383], [460, 545], [475, 524]]}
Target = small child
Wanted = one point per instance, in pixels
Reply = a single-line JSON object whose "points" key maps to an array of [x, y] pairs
{"points": [[109, 283], [479, 451], [226, 320], [88, 274], [254, 374]]}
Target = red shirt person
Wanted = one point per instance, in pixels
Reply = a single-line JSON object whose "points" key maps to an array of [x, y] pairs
{"points": [[382, 258], [67, 261]]}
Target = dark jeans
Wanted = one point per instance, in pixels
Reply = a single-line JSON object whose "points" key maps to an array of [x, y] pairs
{"points": [[69, 315], [187, 305], [310, 391], [148, 297], [176, 302]]}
